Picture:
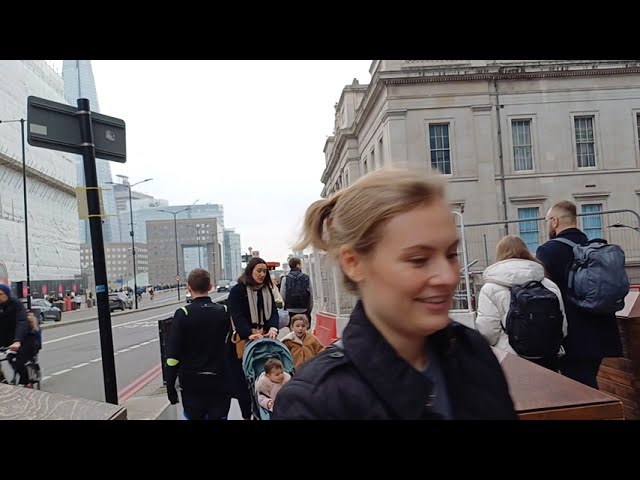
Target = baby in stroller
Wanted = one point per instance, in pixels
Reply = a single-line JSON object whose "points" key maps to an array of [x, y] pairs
{"points": [[255, 361], [270, 382]]}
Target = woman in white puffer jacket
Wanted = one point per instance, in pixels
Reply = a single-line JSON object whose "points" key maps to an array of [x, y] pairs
{"points": [[514, 266]]}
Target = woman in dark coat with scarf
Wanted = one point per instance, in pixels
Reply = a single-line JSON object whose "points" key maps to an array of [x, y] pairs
{"points": [[254, 314]]}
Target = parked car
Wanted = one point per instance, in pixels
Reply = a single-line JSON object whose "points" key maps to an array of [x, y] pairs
{"points": [[187, 296], [120, 301], [44, 310]]}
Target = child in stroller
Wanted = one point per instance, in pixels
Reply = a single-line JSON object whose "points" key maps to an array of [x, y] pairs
{"points": [[254, 358]]}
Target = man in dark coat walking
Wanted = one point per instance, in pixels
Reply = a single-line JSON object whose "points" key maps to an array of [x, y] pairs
{"points": [[590, 337]]}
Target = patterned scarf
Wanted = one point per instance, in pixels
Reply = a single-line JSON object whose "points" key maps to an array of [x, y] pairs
{"points": [[253, 305]]}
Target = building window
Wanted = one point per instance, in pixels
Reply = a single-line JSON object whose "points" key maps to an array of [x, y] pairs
{"points": [[592, 224], [440, 148], [364, 166], [638, 126], [585, 142], [522, 145], [529, 228]]}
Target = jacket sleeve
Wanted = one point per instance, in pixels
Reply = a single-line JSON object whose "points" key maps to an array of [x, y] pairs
{"points": [[262, 391], [283, 288], [310, 297], [174, 347], [239, 311], [22, 325], [488, 321], [554, 288], [274, 320], [317, 346], [278, 298], [297, 402], [554, 263]]}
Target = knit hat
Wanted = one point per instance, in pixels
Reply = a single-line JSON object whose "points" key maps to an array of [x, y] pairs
{"points": [[6, 290]]}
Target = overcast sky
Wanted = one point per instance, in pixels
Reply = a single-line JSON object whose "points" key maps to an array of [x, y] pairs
{"points": [[247, 134]]}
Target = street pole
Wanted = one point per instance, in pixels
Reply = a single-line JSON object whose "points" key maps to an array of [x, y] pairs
{"points": [[97, 243], [198, 239], [175, 229], [133, 251], [26, 216], [132, 234]]}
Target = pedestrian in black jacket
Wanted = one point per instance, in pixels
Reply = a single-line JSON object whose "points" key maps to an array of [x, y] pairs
{"points": [[590, 337], [196, 353], [13, 322], [395, 239], [254, 314]]}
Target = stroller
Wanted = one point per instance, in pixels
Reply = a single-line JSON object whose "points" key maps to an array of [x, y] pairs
{"points": [[256, 353]]}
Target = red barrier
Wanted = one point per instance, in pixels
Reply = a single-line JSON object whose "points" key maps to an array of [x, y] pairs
{"points": [[326, 328]]}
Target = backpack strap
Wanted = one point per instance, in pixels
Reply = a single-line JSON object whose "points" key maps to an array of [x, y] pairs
{"points": [[184, 309], [565, 241]]}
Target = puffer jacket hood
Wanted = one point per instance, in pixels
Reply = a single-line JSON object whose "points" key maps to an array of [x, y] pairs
{"points": [[514, 271]]}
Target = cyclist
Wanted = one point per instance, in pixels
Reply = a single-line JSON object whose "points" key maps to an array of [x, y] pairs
{"points": [[16, 334]]}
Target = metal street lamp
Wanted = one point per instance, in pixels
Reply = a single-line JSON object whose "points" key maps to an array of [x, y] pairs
{"points": [[26, 220], [198, 240], [622, 225], [133, 242], [175, 229]]}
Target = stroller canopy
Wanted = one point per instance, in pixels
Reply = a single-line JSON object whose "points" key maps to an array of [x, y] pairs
{"points": [[257, 352]]}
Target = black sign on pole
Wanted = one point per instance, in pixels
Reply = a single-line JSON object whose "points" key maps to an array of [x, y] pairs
{"points": [[57, 126], [54, 126]]}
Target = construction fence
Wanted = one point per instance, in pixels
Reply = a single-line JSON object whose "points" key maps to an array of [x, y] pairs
{"points": [[478, 250]]}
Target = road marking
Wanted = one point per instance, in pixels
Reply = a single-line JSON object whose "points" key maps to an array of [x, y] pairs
{"points": [[138, 384], [46, 378], [97, 330], [95, 360]]}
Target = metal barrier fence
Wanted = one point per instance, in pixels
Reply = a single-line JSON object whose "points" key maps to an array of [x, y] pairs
{"points": [[331, 296], [326, 282], [477, 251], [621, 227]]}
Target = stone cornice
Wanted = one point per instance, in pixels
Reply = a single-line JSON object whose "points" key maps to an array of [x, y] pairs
{"points": [[527, 199], [339, 143], [582, 195], [502, 73]]}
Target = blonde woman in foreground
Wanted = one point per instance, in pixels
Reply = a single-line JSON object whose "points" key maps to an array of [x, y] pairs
{"points": [[394, 237]]}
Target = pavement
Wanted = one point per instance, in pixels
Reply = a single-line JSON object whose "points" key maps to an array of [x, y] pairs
{"points": [[150, 402]]}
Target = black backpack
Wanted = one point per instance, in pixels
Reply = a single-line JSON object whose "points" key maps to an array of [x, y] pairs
{"points": [[534, 321], [297, 291]]}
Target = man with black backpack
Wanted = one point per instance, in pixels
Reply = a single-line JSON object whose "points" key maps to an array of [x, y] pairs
{"points": [[593, 281], [295, 289]]}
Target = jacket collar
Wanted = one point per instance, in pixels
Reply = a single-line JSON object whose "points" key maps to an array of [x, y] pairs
{"points": [[572, 233], [293, 337], [377, 361], [201, 300]]}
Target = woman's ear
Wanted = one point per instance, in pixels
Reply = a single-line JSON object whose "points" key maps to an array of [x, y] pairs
{"points": [[351, 263]]}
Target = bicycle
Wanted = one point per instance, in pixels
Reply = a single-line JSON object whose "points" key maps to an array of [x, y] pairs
{"points": [[34, 373]]}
